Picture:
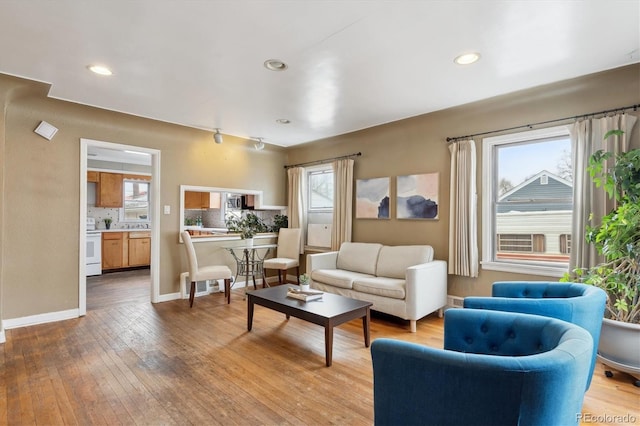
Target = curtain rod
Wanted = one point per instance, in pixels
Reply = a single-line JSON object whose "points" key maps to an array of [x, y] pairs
{"points": [[357, 154], [634, 107]]}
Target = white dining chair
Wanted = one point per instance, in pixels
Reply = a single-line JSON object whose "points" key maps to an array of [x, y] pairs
{"points": [[287, 253], [201, 273]]}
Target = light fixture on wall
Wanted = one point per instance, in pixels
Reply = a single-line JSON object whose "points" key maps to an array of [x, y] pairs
{"points": [[46, 130], [259, 145], [217, 136]]}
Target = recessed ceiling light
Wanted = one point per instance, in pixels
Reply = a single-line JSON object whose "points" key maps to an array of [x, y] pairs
{"points": [[283, 121], [275, 65], [100, 69], [467, 58]]}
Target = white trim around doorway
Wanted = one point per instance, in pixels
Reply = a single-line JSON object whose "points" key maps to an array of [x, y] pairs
{"points": [[155, 218]]}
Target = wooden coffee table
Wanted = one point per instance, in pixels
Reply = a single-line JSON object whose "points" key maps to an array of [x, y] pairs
{"points": [[330, 311]]}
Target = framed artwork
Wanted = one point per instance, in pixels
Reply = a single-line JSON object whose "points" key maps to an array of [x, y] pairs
{"points": [[417, 196], [372, 198]]}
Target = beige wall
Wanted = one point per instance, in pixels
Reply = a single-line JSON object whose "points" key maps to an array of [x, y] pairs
{"points": [[39, 218], [417, 145], [41, 211]]}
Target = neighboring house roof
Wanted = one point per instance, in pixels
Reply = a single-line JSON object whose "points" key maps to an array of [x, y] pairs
{"points": [[543, 192]]}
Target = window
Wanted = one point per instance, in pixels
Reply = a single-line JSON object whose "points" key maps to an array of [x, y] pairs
{"points": [[565, 243], [136, 201], [527, 202], [320, 184], [319, 201]]}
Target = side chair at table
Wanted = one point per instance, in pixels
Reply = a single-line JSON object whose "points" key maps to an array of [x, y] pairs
{"points": [[201, 273], [287, 254]]}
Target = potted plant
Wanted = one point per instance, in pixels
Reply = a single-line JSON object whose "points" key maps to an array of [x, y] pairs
{"points": [[304, 282], [247, 226], [617, 239], [279, 221], [107, 222]]}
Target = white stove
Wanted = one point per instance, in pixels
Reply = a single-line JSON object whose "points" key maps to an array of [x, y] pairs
{"points": [[94, 249]]}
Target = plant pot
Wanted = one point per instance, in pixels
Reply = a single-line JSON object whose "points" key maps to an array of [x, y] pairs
{"points": [[107, 225], [305, 287], [618, 347], [248, 242]]}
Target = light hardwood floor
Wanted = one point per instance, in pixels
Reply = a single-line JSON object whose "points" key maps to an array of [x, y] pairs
{"points": [[130, 362]]}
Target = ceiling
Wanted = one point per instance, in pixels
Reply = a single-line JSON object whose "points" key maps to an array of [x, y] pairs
{"points": [[351, 64]]}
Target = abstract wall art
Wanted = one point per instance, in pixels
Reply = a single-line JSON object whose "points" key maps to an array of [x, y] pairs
{"points": [[372, 198], [417, 196]]}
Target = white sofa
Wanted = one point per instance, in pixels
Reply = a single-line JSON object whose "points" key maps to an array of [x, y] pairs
{"points": [[403, 281]]}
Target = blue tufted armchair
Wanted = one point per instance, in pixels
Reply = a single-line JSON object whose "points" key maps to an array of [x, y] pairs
{"points": [[580, 304], [497, 368]]}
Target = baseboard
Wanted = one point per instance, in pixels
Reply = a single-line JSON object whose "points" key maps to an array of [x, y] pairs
{"points": [[40, 319], [2, 337], [169, 297]]}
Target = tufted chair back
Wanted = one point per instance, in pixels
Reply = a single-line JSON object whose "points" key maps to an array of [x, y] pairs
{"points": [[502, 335], [579, 304], [498, 368]]}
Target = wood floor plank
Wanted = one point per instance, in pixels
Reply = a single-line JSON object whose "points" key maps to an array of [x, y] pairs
{"points": [[133, 363]]}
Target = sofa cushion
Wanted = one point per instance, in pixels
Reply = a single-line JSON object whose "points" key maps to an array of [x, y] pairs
{"points": [[358, 257], [337, 277], [393, 261], [386, 287]]}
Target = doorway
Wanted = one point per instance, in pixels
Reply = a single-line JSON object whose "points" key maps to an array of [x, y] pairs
{"points": [[85, 146]]}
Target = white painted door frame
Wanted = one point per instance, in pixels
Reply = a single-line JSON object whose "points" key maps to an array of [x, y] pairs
{"points": [[155, 218]]}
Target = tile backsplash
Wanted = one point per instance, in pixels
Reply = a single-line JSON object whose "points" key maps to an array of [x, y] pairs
{"points": [[100, 213]]}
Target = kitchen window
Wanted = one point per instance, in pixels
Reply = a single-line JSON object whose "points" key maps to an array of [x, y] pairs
{"points": [[136, 201], [527, 202]]}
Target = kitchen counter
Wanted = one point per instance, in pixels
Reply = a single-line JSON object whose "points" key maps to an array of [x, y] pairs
{"points": [[229, 237], [123, 230]]}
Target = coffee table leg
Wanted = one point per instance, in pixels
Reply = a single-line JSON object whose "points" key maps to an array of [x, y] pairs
{"points": [[328, 343], [365, 326], [249, 313]]}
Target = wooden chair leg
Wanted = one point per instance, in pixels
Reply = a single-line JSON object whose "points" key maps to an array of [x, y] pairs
{"points": [[227, 290], [298, 274], [192, 293], [279, 277]]}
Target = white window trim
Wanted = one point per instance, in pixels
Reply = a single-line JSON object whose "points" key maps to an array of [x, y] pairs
{"points": [[488, 220], [121, 213], [308, 172]]}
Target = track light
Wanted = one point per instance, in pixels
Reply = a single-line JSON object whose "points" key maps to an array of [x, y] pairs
{"points": [[217, 136], [259, 145]]}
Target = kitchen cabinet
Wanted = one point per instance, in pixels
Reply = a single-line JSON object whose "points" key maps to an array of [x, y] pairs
{"points": [[139, 248], [93, 176], [112, 244], [126, 249], [202, 200], [109, 190]]}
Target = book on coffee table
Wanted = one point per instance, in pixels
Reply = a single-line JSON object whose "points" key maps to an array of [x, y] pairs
{"points": [[306, 295]]}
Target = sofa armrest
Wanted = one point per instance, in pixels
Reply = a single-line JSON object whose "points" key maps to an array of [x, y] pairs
{"points": [[426, 288], [326, 260]]}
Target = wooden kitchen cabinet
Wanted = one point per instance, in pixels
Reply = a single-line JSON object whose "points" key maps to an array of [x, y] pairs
{"points": [[109, 190], [202, 200], [93, 176], [192, 200], [112, 245], [126, 249], [139, 248]]}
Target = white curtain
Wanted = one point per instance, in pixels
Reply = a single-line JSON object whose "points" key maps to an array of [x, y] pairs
{"points": [[587, 138], [295, 202], [342, 202], [463, 210]]}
